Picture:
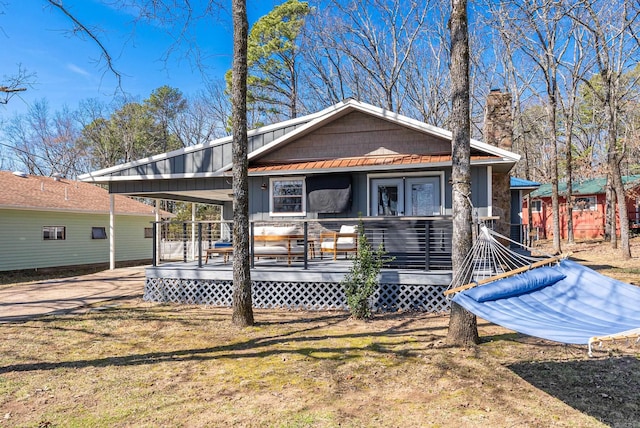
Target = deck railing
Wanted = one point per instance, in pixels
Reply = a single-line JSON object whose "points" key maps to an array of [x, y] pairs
{"points": [[409, 242], [524, 235]]}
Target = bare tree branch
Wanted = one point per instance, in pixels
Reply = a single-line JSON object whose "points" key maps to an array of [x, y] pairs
{"points": [[11, 86], [79, 27]]}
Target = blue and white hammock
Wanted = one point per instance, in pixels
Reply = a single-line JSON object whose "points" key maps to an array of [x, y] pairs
{"points": [[566, 302]]}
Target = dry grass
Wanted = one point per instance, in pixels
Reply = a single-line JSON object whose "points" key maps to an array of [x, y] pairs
{"points": [[141, 364]]}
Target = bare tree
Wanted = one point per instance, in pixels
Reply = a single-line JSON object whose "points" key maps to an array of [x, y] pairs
{"points": [[611, 27], [514, 75], [372, 41], [426, 82], [45, 142], [463, 329], [539, 29], [206, 116], [81, 29], [12, 85], [574, 71], [242, 303]]}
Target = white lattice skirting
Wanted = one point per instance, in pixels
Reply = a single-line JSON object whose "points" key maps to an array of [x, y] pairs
{"points": [[294, 295]]}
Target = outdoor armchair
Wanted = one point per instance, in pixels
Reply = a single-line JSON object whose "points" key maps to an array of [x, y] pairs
{"points": [[344, 241]]}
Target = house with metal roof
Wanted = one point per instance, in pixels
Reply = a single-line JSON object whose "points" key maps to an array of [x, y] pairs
{"points": [[49, 222], [589, 207], [349, 163], [387, 165], [519, 189]]}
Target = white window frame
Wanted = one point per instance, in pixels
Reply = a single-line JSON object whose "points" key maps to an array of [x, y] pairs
{"points": [[303, 197], [53, 231], [392, 175], [593, 203], [536, 202]]}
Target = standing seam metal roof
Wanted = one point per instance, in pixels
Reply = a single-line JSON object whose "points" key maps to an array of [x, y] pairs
{"points": [[592, 186]]}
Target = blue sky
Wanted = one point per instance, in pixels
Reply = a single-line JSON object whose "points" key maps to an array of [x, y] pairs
{"points": [[68, 68]]}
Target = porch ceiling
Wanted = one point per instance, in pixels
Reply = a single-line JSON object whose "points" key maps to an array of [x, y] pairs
{"points": [[197, 196]]}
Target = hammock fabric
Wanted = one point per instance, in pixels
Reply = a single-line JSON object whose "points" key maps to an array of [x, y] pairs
{"points": [[567, 303]]}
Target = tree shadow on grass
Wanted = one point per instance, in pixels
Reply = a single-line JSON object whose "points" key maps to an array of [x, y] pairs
{"points": [[309, 340], [593, 266], [606, 389]]}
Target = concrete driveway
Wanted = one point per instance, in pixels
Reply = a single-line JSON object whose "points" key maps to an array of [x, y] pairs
{"points": [[25, 301]]}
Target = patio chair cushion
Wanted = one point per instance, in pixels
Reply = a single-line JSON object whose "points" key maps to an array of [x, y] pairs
{"points": [[273, 231], [350, 240], [328, 245], [275, 250], [342, 243]]}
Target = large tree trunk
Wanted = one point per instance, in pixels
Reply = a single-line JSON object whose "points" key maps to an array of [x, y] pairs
{"points": [[569, 198], [555, 197], [614, 158], [242, 304], [625, 247], [610, 213], [463, 329]]}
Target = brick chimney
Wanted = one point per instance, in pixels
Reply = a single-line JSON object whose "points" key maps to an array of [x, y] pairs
{"points": [[498, 131]]}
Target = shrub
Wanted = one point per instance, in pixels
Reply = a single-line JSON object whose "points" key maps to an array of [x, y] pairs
{"points": [[362, 279]]}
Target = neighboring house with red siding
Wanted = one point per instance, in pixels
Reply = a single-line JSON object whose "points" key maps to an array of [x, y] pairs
{"points": [[589, 207], [50, 222]]}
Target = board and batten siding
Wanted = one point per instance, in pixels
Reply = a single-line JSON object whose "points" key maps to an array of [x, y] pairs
{"points": [[208, 158], [259, 199], [22, 245]]}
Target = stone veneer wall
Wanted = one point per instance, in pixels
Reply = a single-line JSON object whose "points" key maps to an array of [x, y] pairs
{"points": [[498, 131]]}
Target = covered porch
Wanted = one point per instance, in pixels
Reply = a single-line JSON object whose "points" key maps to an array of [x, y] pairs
{"points": [[422, 243], [351, 164], [415, 276]]}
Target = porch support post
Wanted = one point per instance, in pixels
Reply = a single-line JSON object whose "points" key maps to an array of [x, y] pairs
{"points": [[427, 245], [112, 228], [489, 191], [200, 245], [184, 242], [154, 253], [193, 231], [157, 229], [252, 245], [306, 246]]}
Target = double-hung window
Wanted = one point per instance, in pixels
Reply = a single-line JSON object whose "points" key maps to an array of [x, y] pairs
{"points": [[287, 196]]}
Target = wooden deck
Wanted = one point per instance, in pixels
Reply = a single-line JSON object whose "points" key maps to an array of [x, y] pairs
{"points": [[418, 250], [275, 284], [268, 269]]}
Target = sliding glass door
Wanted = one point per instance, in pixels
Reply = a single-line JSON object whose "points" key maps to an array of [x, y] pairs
{"points": [[410, 196]]}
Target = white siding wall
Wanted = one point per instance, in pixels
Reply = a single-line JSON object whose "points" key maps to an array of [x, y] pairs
{"points": [[22, 245]]}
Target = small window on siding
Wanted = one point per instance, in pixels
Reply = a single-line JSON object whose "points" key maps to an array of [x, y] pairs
{"points": [[98, 233], [536, 206], [287, 196], [148, 232], [585, 203], [54, 233]]}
